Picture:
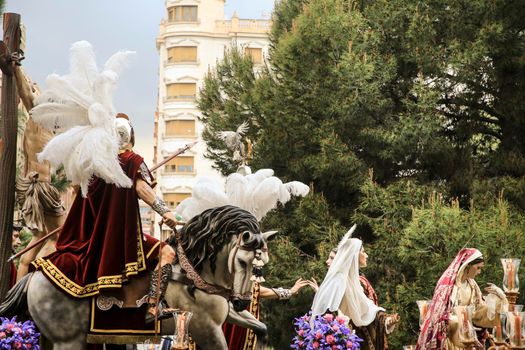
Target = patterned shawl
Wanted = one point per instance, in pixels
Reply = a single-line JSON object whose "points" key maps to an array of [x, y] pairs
{"points": [[434, 330]]}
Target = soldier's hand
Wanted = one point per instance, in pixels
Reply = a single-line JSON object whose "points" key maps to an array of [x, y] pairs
{"points": [[170, 220]]}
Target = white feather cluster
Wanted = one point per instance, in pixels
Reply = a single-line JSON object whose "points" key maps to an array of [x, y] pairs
{"points": [[257, 193], [79, 108]]}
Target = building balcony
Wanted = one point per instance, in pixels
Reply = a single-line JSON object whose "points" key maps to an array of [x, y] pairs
{"points": [[167, 172], [182, 63], [189, 21], [166, 24], [185, 137], [236, 25], [185, 99]]}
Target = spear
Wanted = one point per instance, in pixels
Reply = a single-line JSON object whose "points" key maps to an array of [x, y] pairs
{"points": [[173, 155], [153, 168]]}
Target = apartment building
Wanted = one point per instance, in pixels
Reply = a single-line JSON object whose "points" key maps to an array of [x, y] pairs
{"points": [[193, 37]]}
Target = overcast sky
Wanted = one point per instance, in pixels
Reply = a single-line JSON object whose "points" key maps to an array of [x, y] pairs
{"points": [[110, 25]]}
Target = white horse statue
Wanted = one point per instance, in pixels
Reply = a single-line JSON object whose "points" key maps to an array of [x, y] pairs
{"points": [[221, 244]]}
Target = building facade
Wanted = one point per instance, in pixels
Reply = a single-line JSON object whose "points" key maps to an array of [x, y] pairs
{"points": [[193, 37]]}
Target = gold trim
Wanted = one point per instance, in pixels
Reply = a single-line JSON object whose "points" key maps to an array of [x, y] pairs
{"points": [[119, 339], [152, 249], [132, 331], [250, 339], [103, 282]]}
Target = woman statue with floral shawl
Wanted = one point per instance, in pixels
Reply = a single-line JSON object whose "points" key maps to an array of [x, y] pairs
{"points": [[457, 287], [342, 291]]}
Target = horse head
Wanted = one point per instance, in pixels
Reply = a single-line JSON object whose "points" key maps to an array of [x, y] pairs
{"points": [[225, 245], [245, 263]]}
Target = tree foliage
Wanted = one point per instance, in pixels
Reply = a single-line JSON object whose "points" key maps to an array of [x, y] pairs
{"points": [[403, 116]]}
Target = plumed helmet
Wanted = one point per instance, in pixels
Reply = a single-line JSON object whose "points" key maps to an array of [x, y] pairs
{"points": [[124, 129]]}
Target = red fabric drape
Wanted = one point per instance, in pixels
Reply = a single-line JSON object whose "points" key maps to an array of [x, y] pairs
{"points": [[368, 289], [435, 326], [12, 279], [101, 243], [240, 338]]}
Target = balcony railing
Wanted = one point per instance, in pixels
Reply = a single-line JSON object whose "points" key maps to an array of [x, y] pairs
{"points": [[244, 25], [179, 98], [174, 63], [169, 172], [192, 22], [178, 136]]}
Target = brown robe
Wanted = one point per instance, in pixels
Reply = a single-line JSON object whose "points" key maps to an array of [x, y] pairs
{"points": [[373, 335]]}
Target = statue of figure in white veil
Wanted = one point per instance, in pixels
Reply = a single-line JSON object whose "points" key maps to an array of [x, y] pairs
{"points": [[345, 291]]}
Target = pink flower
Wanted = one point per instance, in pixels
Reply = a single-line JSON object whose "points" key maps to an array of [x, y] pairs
{"points": [[301, 332], [2, 335], [330, 339], [329, 317], [318, 335], [17, 345], [315, 345], [349, 344], [340, 320], [9, 326], [334, 347], [28, 346], [335, 327]]}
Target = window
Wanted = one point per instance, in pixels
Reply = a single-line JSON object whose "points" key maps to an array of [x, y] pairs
{"points": [[180, 128], [182, 14], [255, 54], [182, 54], [182, 91], [174, 199], [180, 165]]}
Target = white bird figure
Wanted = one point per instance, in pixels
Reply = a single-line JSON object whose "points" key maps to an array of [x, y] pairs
{"points": [[257, 193], [79, 108], [233, 141]]}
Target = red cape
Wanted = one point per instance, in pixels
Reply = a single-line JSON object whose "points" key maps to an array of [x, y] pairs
{"points": [[101, 243]]}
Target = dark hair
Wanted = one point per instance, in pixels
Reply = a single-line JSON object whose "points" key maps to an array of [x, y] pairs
{"points": [[132, 137], [476, 261]]}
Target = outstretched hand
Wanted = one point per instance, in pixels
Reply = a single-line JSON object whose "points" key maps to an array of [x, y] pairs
{"points": [[299, 284], [313, 284], [493, 289], [392, 320]]}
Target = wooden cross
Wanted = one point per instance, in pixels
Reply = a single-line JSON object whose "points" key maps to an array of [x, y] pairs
{"points": [[9, 56]]}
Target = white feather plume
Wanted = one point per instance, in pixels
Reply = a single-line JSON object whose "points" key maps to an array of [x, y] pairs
{"points": [[297, 188], [83, 66], [79, 106], [257, 193], [118, 61], [60, 117], [236, 187]]}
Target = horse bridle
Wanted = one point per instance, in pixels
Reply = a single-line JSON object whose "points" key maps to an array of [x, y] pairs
{"points": [[193, 277]]}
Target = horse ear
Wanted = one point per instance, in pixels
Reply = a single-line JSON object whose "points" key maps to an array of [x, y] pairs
{"points": [[269, 235]]}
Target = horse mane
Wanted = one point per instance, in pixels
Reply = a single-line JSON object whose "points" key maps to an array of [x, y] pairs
{"points": [[205, 235]]}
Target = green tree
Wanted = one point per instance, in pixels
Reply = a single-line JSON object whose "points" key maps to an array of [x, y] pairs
{"points": [[419, 232], [403, 116]]}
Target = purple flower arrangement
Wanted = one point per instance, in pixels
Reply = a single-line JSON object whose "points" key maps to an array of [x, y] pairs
{"points": [[329, 332], [17, 335]]}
